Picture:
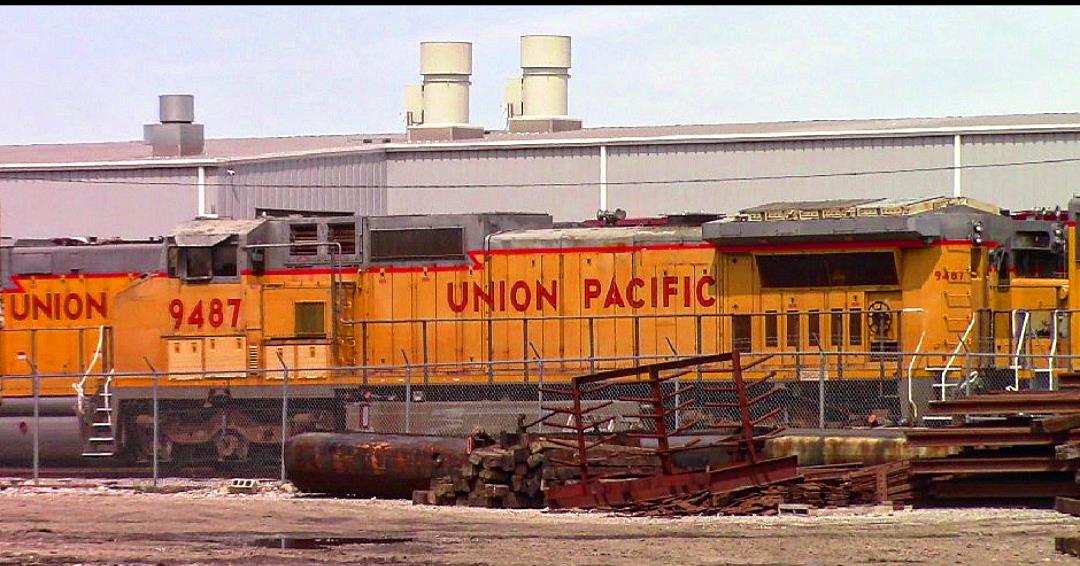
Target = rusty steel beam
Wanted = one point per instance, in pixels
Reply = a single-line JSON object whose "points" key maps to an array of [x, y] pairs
{"points": [[1003, 488], [1055, 402], [1068, 380], [985, 436], [648, 368], [984, 465], [586, 495], [370, 465]]}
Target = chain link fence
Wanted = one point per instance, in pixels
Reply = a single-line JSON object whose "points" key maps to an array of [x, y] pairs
{"points": [[159, 424]]}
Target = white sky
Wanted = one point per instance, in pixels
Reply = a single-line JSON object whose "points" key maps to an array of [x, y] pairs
{"points": [[93, 73]]}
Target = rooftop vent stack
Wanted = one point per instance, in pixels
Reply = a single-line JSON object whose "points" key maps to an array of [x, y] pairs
{"points": [[444, 96], [545, 66], [177, 135]]}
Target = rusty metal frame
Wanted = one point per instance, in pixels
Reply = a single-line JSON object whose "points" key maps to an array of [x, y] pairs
{"points": [[591, 491]]}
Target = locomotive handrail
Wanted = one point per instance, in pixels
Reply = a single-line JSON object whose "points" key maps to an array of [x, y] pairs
{"points": [[517, 362], [630, 316], [1020, 340], [956, 352], [910, 376], [80, 391]]}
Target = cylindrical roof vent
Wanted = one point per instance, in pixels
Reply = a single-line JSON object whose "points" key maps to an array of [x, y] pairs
{"points": [[176, 108], [446, 67], [545, 64]]}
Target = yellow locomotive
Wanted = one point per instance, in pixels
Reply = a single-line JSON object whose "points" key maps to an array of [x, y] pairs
{"points": [[918, 297]]}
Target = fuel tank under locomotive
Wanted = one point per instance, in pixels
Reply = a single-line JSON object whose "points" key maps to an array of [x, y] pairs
{"points": [[370, 465], [60, 438]]}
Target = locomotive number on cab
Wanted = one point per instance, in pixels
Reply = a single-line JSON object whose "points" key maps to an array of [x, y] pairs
{"points": [[212, 312], [949, 275]]}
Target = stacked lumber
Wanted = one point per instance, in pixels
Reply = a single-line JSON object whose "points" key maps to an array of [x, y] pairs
{"points": [[505, 474], [513, 471]]}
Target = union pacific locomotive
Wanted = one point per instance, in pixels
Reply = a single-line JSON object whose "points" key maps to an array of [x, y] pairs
{"points": [[910, 299]]}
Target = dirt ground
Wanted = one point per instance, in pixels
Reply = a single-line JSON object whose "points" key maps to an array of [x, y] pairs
{"points": [[116, 522]]}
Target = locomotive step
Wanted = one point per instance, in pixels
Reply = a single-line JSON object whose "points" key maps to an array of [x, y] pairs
{"points": [[102, 439], [101, 424], [98, 454], [103, 410]]}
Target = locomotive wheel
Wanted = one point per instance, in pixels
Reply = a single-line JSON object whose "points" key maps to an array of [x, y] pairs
{"points": [[230, 445]]}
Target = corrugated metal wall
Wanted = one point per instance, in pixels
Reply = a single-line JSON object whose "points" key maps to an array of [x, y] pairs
{"points": [[801, 161], [120, 202], [347, 183], [1025, 186], [628, 166], [528, 166]]}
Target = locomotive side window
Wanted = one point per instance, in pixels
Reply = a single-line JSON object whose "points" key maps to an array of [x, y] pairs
{"points": [[827, 270], [224, 257], [855, 324], [741, 337], [813, 327], [836, 327], [310, 319], [793, 329], [198, 263], [202, 263], [771, 338], [417, 244]]}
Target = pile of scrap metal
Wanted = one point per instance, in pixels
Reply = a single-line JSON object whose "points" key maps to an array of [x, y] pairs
{"points": [[649, 471], [598, 488], [814, 487], [1024, 445], [665, 466]]}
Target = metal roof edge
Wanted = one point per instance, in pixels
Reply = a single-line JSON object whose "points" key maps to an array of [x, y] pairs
{"points": [[734, 137], [124, 164]]}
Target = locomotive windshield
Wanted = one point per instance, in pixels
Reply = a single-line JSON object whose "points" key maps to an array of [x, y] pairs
{"points": [[202, 263]]}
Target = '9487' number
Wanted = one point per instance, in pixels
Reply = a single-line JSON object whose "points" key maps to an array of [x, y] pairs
{"points": [[213, 313], [949, 275]]}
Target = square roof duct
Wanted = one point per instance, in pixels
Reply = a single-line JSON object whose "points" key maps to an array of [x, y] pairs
{"points": [[177, 135]]}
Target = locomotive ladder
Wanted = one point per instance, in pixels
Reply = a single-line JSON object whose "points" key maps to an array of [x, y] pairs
{"points": [[102, 441]]}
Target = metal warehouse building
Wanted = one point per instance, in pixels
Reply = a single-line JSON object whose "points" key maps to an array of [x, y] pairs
{"points": [[543, 162]]}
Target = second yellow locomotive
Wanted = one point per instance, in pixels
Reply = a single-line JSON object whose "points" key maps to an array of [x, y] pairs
{"points": [[866, 291]]}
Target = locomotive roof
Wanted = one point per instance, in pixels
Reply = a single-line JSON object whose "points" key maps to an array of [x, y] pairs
{"points": [[837, 208], [595, 237], [211, 231], [924, 219]]}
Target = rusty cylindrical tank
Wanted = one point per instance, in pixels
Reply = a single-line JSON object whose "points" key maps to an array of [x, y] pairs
{"points": [[370, 465]]}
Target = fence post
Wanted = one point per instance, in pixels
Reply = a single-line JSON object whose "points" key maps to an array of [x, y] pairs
{"points": [[408, 393], [284, 409], [592, 346], [678, 380], [154, 373], [539, 387], [35, 389], [424, 345], [821, 392]]}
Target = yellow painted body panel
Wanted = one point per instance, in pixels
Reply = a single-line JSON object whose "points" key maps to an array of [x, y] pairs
{"points": [[493, 321]]}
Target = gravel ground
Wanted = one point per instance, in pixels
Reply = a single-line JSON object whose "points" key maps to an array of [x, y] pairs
{"points": [[124, 522]]}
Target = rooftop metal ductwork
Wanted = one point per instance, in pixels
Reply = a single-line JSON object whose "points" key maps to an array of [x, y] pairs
{"points": [[439, 109], [537, 102], [177, 135]]}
